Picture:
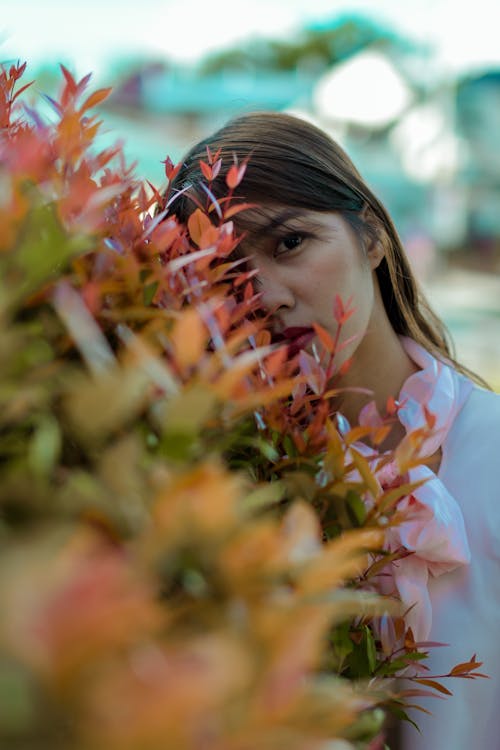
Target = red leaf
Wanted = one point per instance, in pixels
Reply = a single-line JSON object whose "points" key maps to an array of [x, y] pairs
{"points": [[235, 175], [212, 157], [70, 81], [342, 312], [338, 308], [171, 170], [16, 71], [207, 170], [344, 367], [157, 195], [20, 91]]}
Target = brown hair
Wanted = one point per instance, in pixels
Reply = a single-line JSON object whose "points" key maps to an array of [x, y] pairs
{"points": [[293, 163]]}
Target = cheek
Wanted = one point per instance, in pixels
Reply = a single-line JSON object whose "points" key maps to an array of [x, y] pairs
{"points": [[351, 281]]}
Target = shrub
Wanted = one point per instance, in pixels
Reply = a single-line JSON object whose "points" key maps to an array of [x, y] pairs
{"points": [[186, 543]]}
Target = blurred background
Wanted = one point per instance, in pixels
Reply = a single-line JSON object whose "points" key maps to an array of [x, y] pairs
{"points": [[411, 91]]}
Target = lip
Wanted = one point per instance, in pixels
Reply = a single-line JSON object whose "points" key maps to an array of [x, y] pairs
{"points": [[297, 338]]}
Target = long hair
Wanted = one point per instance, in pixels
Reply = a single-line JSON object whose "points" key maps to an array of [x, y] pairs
{"points": [[293, 163]]}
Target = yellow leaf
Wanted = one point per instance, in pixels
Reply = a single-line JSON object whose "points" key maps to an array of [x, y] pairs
{"points": [[334, 458], [188, 411], [343, 558], [367, 475], [390, 498]]}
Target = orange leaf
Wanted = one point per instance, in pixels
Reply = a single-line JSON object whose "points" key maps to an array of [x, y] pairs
{"points": [[433, 684], [233, 210], [391, 406], [275, 360], [399, 626], [325, 338], [207, 170], [189, 338], [465, 667], [430, 418], [210, 237], [235, 175], [344, 367], [198, 223], [96, 98], [255, 400], [381, 434]]}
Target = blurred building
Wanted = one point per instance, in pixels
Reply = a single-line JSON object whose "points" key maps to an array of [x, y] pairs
{"points": [[426, 142], [478, 122]]}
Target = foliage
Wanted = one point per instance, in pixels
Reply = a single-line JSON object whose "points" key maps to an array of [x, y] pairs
{"points": [[315, 47], [187, 538]]}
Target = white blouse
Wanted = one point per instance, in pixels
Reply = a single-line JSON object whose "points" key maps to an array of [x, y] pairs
{"points": [[466, 601]]}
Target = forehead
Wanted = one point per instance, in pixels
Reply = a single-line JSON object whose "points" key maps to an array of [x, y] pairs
{"points": [[267, 220]]}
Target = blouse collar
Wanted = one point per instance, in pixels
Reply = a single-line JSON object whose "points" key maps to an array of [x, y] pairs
{"points": [[433, 529]]}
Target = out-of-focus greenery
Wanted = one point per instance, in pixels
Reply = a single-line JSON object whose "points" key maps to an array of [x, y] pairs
{"points": [[314, 48]]}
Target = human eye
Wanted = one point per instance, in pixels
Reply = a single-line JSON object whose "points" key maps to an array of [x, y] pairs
{"points": [[288, 243]]}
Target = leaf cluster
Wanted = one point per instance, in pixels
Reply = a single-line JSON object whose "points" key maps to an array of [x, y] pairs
{"points": [[187, 536]]}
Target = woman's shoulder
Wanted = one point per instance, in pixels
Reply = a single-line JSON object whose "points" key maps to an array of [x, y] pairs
{"points": [[479, 418], [471, 452], [482, 406]]}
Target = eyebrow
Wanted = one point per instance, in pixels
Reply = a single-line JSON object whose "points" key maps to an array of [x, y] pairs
{"points": [[281, 218]]}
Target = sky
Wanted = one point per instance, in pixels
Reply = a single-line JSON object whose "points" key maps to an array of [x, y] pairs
{"points": [[87, 35]]}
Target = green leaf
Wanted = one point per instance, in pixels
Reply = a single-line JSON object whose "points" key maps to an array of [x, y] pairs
{"points": [[148, 293], [340, 640], [399, 713], [45, 446], [363, 659], [356, 508], [367, 726], [371, 651], [289, 446], [188, 411], [17, 710], [264, 496], [177, 445], [42, 253]]}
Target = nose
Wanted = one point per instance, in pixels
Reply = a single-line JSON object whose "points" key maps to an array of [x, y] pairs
{"points": [[276, 294]]}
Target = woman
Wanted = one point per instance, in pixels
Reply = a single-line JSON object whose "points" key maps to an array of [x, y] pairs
{"points": [[316, 230]]}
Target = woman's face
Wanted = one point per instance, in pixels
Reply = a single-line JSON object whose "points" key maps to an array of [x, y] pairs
{"points": [[304, 259]]}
